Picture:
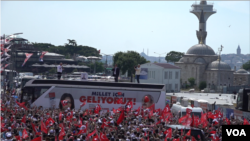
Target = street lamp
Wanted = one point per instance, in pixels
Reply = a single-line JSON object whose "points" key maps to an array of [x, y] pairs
{"points": [[160, 55], [106, 61]]}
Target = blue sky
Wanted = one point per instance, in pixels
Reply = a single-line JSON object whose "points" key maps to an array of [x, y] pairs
{"points": [[159, 26]]}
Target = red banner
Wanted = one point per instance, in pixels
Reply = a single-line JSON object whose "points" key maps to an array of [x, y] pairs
{"points": [[43, 53], [28, 55], [109, 100]]}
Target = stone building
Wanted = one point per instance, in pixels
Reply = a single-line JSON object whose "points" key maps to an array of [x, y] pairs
{"points": [[241, 77], [201, 62]]}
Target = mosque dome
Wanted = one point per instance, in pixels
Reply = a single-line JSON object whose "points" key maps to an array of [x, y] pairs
{"points": [[201, 49], [181, 60], [199, 61], [215, 66], [242, 71]]}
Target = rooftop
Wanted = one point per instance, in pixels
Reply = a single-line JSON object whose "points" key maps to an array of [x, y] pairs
{"points": [[224, 99], [166, 65]]}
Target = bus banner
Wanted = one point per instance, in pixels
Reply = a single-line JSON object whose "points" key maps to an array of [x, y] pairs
{"points": [[107, 99]]}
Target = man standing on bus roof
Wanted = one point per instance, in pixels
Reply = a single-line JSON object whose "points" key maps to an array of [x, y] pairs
{"points": [[59, 71], [138, 73], [116, 72]]}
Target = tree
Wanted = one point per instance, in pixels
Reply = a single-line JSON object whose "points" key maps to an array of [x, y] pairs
{"points": [[99, 66], [71, 42], [246, 65], [173, 56], [127, 61], [75, 70], [202, 85], [52, 70], [191, 81]]}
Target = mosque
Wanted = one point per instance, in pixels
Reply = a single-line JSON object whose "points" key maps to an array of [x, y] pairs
{"points": [[200, 61]]}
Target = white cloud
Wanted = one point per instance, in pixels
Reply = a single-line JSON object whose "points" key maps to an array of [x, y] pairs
{"points": [[237, 6]]}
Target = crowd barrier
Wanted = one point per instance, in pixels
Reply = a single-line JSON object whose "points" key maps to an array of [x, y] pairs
{"points": [[227, 112]]}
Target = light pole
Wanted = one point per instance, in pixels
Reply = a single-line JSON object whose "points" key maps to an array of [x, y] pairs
{"points": [[219, 50], [106, 61], [13, 62], [160, 55]]}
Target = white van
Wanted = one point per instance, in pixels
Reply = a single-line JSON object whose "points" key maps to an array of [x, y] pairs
{"points": [[181, 110]]}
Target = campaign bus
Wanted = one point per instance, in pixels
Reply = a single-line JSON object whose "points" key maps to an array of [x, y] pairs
{"points": [[51, 93]]}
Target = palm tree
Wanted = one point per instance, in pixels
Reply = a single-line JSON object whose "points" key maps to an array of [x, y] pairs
{"points": [[72, 42]]}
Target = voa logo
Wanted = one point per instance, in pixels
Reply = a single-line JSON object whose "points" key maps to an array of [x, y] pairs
{"points": [[236, 132]]}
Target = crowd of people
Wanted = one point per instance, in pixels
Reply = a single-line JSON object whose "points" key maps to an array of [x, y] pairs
{"points": [[21, 123]]}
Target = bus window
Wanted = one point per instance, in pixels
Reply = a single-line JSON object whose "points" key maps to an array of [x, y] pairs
{"points": [[240, 101], [39, 91]]}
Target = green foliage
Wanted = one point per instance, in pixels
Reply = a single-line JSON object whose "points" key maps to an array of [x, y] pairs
{"points": [[75, 70], [68, 50], [126, 61], [246, 65], [173, 56], [52, 70], [99, 67], [202, 85], [191, 81]]}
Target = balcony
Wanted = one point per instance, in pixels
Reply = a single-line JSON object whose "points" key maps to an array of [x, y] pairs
{"points": [[198, 10], [208, 3]]}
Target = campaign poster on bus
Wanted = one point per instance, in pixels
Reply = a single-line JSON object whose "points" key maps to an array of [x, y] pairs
{"points": [[107, 99], [144, 73]]}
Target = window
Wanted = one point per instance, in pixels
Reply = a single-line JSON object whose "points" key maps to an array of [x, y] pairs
{"points": [[176, 75], [149, 74], [169, 86], [176, 87], [153, 74], [166, 75], [170, 75]]}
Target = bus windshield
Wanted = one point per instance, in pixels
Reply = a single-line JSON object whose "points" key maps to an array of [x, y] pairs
{"points": [[24, 81]]}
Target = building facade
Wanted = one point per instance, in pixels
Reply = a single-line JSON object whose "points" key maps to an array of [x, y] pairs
{"points": [[162, 73], [241, 77]]}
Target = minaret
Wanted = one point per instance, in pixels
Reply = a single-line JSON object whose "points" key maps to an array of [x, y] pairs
{"points": [[201, 33], [207, 10], [238, 50]]}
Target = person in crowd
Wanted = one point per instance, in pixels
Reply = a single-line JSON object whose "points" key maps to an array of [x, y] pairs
{"points": [[116, 72], [72, 123], [59, 71]]}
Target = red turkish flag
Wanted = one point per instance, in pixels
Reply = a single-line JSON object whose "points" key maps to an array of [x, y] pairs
{"points": [[23, 119], [245, 122], [44, 128], [152, 107], [168, 133], [60, 116], [189, 133], [188, 111], [43, 53], [158, 111], [49, 122], [95, 138], [37, 139], [227, 120], [90, 134], [209, 115], [22, 105], [25, 134], [151, 113], [166, 109], [137, 112], [103, 137], [121, 117], [18, 138], [62, 133], [34, 129], [28, 55], [178, 139], [185, 120], [129, 106], [97, 108]]}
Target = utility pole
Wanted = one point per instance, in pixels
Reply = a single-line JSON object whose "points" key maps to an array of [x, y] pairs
{"points": [[219, 58], [160, 55]]}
